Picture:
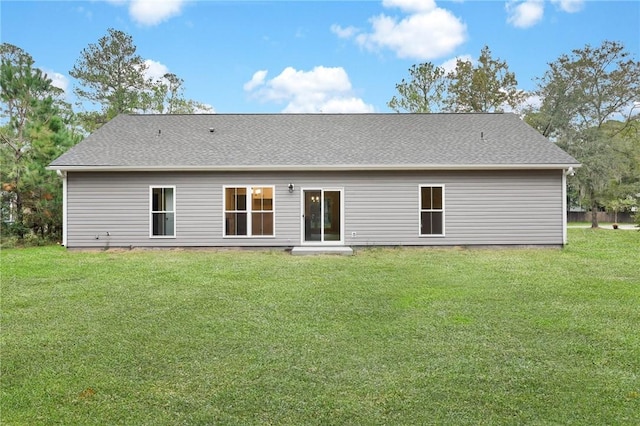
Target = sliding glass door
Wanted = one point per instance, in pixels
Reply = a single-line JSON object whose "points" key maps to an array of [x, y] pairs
{"points": [[322, 216]]}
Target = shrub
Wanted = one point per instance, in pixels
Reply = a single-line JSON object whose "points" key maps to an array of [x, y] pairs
{"points": [[15, 235]]}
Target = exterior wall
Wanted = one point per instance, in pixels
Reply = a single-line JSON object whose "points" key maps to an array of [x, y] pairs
{"points": [[381, 208]]}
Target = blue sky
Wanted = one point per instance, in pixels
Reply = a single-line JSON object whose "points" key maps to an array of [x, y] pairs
{"points": [[314, 56]]}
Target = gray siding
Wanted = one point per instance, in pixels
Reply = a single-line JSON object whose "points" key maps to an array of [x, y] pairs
{"points": [[481, 207]]}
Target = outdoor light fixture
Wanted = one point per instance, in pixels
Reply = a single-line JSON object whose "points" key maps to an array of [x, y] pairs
{"points": [[290, 187]]}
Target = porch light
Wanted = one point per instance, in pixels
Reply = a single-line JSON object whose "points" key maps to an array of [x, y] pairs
{"points": [[291, 187]]}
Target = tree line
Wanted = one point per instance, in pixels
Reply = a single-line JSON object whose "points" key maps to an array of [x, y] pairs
{"points": [[585, 105], [37, 124], [588, 102]]}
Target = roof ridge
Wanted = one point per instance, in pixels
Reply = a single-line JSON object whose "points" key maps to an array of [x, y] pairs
{"points": [[329, 114]]}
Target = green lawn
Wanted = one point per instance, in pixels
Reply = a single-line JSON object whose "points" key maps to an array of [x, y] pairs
{"points": [[388, 336]]}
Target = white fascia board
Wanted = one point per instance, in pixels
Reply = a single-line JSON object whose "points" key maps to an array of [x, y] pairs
{"points": [[296, 168]]}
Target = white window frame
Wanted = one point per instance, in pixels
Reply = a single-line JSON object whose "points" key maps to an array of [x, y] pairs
{"points": [[249, 210], [151, 211], [421, 210]]}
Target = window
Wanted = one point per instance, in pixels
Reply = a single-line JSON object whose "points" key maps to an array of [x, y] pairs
{"points": [[163, 211], [432, 210], [248, 211]]}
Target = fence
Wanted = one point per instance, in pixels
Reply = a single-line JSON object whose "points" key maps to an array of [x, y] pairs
{"points": [[623, 217]]}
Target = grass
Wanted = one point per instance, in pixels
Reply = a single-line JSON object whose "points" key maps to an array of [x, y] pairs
{"points": [[389, 336], [607, 225]]}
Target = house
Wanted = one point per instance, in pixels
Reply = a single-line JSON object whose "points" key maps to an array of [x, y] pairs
{"points": [[314, 180]]}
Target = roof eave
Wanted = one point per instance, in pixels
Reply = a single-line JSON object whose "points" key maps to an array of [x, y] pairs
{"points": [[298, 168]]}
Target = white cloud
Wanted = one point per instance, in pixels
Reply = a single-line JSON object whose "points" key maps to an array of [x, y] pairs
{"points": [[88, 14], [411, 5], [151, 12], [345, 106], [323, 89], [320, 80], [256, 80], [428, 31], [527, 13], [58, 80], [532, 101], [450, 65], [155, 70], [524, 14], [569, 6], [344, 32]]}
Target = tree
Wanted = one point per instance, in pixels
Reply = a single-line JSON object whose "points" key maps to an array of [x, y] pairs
{"points": [[583, 95], [485, 87], [423, 93], [617, 205], [111, 74], [33, 134], [23, 88], [623, 191], [166, 96]]}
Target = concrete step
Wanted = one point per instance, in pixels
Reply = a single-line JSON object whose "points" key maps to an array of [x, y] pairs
{"points": [[310, 250]]}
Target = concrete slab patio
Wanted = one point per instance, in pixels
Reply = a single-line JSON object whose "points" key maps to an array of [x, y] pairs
{"points": [[311, 250]]}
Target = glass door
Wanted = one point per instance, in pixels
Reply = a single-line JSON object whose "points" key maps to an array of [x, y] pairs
{"points": [[322, 216], [312, 216], [331, 224]]}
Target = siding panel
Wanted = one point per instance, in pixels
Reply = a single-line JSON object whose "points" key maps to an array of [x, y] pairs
{"points": [[481, 207]]}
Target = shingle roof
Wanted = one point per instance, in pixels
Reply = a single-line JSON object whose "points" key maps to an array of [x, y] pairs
{"points": [[320, 141]]}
